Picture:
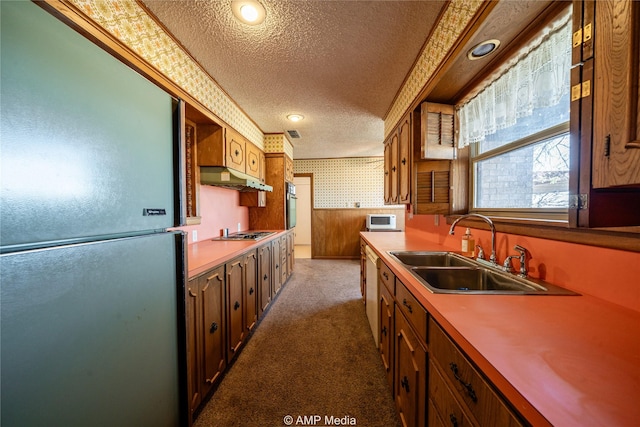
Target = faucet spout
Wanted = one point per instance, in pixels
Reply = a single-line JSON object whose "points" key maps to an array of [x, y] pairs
{"points": [[486, 219]]}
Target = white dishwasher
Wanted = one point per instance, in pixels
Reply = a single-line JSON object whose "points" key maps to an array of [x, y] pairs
{"points": [[372, 295]]}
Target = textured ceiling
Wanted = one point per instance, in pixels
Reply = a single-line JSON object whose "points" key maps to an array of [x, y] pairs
{"points": [[339, 63]]}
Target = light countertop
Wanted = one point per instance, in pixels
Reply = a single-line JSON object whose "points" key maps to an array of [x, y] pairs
{"points": [[560, 360]]}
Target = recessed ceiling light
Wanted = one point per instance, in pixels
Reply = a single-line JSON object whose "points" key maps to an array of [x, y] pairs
{"points": [[483, 49], [250, 12], [295, 117]]}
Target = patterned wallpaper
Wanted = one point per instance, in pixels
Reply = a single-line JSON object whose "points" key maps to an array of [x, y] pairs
{"points": [[130, 24], [448, 29], [341, 183], [278, 143]]}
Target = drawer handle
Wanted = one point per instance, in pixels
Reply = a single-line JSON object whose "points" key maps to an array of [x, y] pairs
{"points": [[385, 275], [236, 305], [384, 331], [250, 291], [404, 383], [406, 304], [265, 277], [454, 420], [468, 387]]}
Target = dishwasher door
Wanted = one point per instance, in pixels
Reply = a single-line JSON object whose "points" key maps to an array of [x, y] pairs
{"points": [[372, 294]]}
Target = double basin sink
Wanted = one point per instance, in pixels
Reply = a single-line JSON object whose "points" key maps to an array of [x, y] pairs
{"points": [[451, 273]]}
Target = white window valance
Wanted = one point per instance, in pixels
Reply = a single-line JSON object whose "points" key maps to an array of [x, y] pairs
{"points": [[538, 77]]}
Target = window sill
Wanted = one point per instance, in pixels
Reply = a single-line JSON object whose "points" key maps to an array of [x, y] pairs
{"points": [[623, 238]]}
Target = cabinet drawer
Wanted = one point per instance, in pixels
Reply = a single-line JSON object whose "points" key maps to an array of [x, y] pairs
{"points": [[443, 403], [412, 309], [387, 277], [466, 382]]}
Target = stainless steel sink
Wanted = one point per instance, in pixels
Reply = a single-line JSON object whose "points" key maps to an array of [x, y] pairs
{"points": [[451, 273], [432, 259]]}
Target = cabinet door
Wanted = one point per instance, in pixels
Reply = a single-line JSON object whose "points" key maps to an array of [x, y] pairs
{"points": [[276, 271], [437, 131], [264, 277], [386, 307], [235, 323], [253, 160], [410, 374], [290, 252], [194, 345], [393, 181], [616, 122], [284, 268], [433, 187], [404, 160], [235, 153], [250, 290], [288, 169], [387, 171], [212, 298]]}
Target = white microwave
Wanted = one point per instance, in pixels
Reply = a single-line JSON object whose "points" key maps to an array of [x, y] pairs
{"points": [[381, 222]]}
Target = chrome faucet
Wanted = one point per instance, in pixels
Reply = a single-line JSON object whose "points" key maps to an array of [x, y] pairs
{"points": [[486, 219], [522, 256]]}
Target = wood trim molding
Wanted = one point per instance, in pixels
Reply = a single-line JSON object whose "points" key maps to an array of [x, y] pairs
{"points": [[623, 238]]}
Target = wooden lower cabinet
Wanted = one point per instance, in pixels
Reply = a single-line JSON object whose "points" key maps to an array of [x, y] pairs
{"points": [[466, 386], [205, 334], [241, 274], [284, 265], [410, 383], [290, 252], [250, 290], [387, 329], [277, 266], [432, 381], [264, 278], [223, 305], [235, 303], [443, 407]]}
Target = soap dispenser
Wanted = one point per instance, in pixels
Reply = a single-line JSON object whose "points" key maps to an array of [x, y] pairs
{"points": [[468, 244]]}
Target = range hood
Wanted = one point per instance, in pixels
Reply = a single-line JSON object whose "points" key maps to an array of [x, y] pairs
{"points": [[229, 178]]}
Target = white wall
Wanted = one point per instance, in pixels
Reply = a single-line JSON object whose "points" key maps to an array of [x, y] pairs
{"points": [[303, 207]]}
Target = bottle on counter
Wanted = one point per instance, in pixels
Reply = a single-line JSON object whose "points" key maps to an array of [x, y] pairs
{"points": [[468, 244]]}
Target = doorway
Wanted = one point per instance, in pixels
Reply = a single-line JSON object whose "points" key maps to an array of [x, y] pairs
{"points": [[304, 205]]}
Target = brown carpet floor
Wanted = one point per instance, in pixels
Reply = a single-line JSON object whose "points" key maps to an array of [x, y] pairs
{"points": [[312, 355]]}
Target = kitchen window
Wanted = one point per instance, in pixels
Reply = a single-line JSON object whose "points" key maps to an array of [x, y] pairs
{"points": [[517, 129]]}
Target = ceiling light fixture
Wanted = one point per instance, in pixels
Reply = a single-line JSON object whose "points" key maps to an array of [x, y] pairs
{"points": [[483, 49], [295, 117], [250, 12]]}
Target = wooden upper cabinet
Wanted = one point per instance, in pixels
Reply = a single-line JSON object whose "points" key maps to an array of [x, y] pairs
{"points": [[387, 171], [398, 150], [616, 118], [220, 146], [436, 131], [253, 161], [393, 180], [235, 151], [210, 144], [605, 124], [404, 160], [288, 169]]}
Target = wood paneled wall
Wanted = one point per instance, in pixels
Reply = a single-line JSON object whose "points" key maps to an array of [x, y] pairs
{"points": [[335, 232]]}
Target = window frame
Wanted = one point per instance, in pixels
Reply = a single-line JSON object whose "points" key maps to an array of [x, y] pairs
{"points": [[553, 214]]}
